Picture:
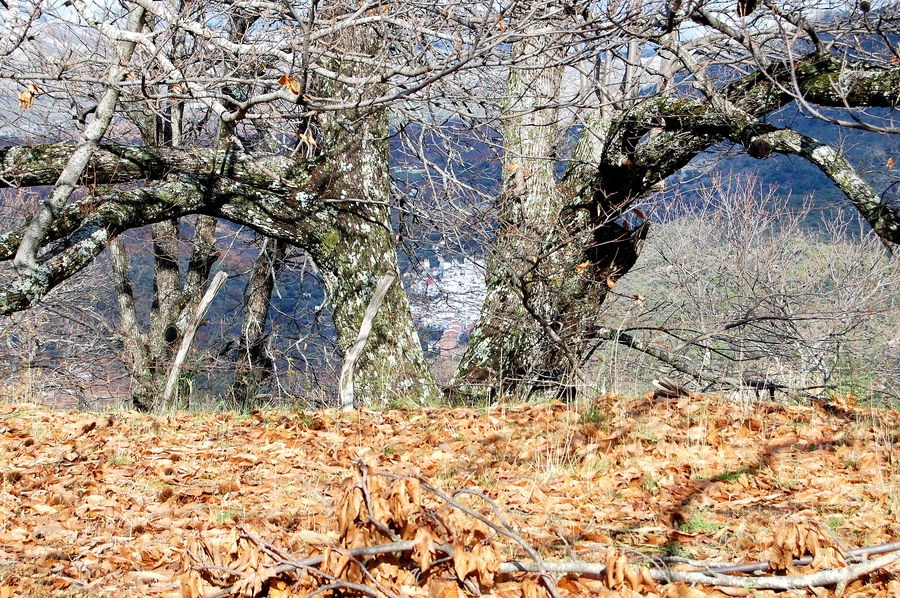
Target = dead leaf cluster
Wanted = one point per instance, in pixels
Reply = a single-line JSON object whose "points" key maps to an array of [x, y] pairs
{"points": [[113, 505], [423, 546], [796, 539]]}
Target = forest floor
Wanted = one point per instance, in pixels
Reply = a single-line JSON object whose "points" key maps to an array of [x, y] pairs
{"points": [[124, 504]]}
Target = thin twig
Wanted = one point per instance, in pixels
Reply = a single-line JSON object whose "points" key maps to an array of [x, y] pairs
{"points": [[505, 530]]}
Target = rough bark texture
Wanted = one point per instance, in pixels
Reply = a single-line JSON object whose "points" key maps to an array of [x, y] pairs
{"points": [[509, 347], [355, 247], [560, 248], [26, 257], [142, 390]]}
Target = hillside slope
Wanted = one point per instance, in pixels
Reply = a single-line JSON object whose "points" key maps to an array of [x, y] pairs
{"points": [[124, 504]]}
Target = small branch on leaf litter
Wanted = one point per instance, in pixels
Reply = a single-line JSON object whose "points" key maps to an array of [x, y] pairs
{"points": [[505, 530], [774, 582], [855, 555]]}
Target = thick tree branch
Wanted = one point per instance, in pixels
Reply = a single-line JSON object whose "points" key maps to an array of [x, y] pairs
{"points": [[26, 256], [126, 210], [286, 214], [884, 218], [689, 127], [37, 165]]}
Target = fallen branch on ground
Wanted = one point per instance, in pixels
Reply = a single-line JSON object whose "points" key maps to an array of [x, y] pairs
{"points": [[390, 537], [772, 582]]}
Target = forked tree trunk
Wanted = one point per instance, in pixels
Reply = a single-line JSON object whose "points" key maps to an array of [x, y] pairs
{"points": [[173, 303], [558, 250], [253, 363]]}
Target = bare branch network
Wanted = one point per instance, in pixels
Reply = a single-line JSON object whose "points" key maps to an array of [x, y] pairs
{"points": [[533, 133]]}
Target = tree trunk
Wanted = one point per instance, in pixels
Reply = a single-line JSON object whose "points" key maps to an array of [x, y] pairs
{"points": [[142, 389], [253, 364], [355, 248], [508, 347], [355, 242], [559, 250]]}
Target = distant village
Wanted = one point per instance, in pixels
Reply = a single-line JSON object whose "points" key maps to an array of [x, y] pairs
{"points": [[446, 299]]}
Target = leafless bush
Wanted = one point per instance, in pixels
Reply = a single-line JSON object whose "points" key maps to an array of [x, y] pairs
{"points": [[740, 286]]}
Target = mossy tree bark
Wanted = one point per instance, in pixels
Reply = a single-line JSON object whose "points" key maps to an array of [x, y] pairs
{"points": [[356, 245], [560, 248]]}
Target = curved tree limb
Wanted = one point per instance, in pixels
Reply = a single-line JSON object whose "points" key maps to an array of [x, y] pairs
{"points": [[689, 124], [125, 210], [884, 218], [42, 164], [277, 215], [685, 127], [26, 261]]}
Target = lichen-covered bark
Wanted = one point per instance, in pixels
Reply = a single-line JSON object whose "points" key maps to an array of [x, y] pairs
{"points": [[166, 300], [679, 128], [508, 348], [352, 241], [124, 210], [356, 246], [41, 164], [558, 246], [142, 389], [34, 235], [351, 258], [884, 218], [344, 221], [539, 321]]}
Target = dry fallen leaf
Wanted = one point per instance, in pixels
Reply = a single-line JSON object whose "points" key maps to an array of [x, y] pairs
{"points": [[124, 510], [26, 97], [290, 82]]}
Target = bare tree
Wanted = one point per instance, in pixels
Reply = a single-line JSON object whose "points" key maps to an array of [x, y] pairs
{"points": [[331, 76], [737, 290], [668, 83], [289, 110]]}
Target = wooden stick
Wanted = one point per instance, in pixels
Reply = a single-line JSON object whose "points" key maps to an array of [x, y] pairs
{"points": [[189, 332], [346, 385], [773, 582]]}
